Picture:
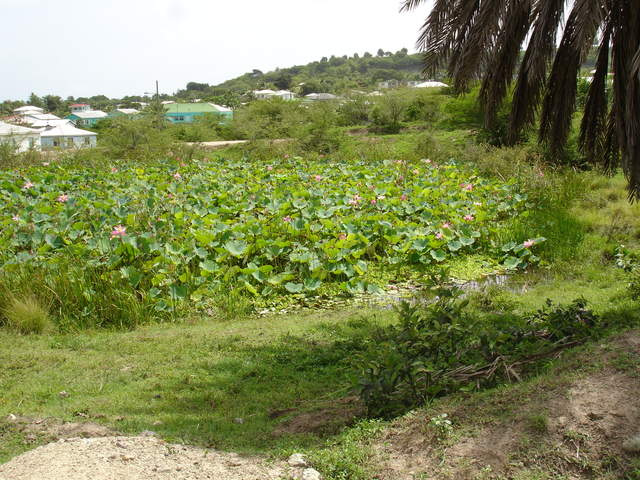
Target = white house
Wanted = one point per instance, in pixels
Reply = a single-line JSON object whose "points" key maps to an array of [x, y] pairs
{"points": [[22, 138], [27, 109], [32, 118], [431, 84], [65, 135], [263, 94], [48, 123], [321, 96]]}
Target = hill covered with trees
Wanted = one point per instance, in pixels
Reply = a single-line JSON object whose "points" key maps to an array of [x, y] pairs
{"points": [[329, 74]]}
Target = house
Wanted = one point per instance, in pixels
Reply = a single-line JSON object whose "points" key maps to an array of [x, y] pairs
{"points": [[82, 114], [48, 123], [389, 84], [188, 112], [285, 94], [66, 135], [32, 118], [79, 107], [431, 84], [23, 138], [267, 94], [263, 94], [124, 112], [27, 109], [321, 96]]}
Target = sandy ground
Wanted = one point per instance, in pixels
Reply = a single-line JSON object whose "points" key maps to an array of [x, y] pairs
{"points": [[134, 458]]}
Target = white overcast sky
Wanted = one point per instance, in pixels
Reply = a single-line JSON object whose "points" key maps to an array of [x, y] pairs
{"points": [[120, 47]]}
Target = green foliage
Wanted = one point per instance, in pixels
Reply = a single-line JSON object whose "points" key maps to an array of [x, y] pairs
{"points": [[139, 139], [347, 457], [444, 347], [25, 315], [319, 132], [182, 229], [388, 112]]}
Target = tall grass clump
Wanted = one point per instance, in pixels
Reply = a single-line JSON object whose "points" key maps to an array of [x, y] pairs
{"points": [[551, 192], [80, 298], [26, 315]]}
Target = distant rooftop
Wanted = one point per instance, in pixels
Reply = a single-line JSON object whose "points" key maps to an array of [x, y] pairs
{"points": [[65, 130], [88, 114], [196, 108]]}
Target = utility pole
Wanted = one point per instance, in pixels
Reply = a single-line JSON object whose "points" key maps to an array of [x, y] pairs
{"points": [[159, 108]]}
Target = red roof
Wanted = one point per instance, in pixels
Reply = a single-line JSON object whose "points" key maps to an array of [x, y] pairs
{"points": [[79, 105]]}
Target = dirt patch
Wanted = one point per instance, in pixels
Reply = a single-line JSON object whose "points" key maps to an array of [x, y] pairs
{"points": [[134, 458], [51, 429], [569, 425], [324, 421]]}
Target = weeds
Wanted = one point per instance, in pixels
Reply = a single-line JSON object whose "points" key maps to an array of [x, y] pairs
{"points": [[26, 315]]}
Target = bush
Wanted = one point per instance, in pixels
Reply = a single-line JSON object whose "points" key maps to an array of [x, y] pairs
{"points": [[444, 346], [136, 139], [319, 132], [388, 112], [26, 315]]}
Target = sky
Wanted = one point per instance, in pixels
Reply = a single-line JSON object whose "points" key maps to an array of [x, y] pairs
{"points": [[115, 48]]}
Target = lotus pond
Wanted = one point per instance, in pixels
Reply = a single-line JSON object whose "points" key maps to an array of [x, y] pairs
{"points": [[175, 232]]}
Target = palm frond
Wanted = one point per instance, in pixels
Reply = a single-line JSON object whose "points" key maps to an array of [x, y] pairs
{"points": [[594, 123], [533, 68], [559, 102]]}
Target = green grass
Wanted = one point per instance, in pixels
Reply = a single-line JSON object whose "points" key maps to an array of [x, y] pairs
{"points": [[195, 379]]}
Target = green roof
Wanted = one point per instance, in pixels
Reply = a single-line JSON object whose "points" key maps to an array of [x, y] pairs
{"points": [[193, 108]]}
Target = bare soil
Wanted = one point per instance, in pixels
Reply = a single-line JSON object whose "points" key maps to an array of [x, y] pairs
{"points": [[570, 424], [133, 458]]}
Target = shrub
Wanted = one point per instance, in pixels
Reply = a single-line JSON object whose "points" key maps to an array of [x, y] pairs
{"points": [[388, 112], [27, 315], [137, 139], [444, 346]]}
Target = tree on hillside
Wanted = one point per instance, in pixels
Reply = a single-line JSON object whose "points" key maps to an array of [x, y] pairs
{"points": [[483, 39]]}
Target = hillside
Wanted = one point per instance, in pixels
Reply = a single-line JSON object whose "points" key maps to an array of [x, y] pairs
{"points": [[333, 74]]}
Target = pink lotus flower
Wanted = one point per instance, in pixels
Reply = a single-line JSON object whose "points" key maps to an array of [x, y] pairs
{"points": [[381, 197], [403, 197], [446, 225], [269, 168], [287, 219], [317, 178], [529, 243], [177, 176], [27, 185], [439, 236], [355, 200], [371, 187], [477, 204], [170, 196], [469, 218], [16, 218], [466, 186], [427, 160], [399, 162], [118, 231], [182, 164], [286, 155], [373, 201], [62, 198], [541, 174], [342, 236], [114, 170]]}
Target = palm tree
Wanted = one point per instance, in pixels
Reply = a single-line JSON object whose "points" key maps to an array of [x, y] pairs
{"points": [[482, 39]]}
